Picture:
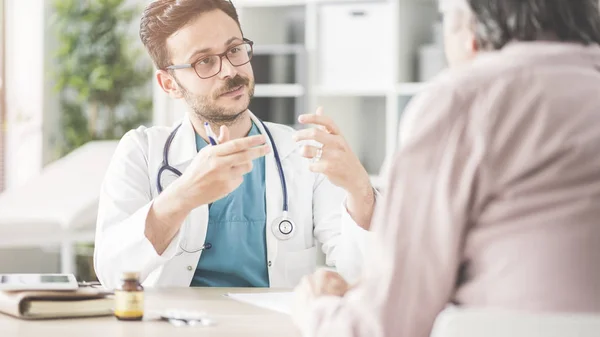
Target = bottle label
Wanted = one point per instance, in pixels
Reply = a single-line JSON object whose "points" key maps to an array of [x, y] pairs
{"points": [[129, 303]]}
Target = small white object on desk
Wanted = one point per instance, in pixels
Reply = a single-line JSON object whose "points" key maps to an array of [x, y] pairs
{"points": [[280, 302], [21, 282], [181, 318]]}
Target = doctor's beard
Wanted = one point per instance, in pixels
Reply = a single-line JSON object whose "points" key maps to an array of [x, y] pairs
{"points": [[206, 108]]}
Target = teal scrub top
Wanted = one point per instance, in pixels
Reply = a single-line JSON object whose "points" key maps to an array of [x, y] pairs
{"points": [[236, 231]]}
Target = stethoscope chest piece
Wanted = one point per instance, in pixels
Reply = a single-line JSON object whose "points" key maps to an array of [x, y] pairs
{"points": [[283, 228]]}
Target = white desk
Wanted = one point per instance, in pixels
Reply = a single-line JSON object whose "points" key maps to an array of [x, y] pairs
{"points": [[233, 318]]}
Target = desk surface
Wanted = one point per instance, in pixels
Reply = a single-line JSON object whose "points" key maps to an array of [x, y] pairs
{"points": [[233, 318]]}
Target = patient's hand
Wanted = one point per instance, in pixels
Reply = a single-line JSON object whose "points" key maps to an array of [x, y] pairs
{"points": [[327, 282], [322, 283]]}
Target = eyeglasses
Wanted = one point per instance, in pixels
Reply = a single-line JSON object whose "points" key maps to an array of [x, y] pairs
{"points": [[211, 65]]}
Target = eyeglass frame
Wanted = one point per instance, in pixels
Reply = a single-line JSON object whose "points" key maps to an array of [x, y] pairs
{"points": [[221, 55]]}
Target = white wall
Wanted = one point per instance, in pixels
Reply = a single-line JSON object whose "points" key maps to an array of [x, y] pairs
{"points": [[51, 132], [24, 89], [31, 112], [29, 260]]}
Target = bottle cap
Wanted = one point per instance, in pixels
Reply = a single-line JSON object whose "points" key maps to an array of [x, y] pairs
{"points": [[130, 276]]}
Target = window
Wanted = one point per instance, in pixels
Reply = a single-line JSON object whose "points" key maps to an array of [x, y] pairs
{"points": [[2, 101]]}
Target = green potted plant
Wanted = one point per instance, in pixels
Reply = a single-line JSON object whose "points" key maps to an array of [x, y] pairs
{"points": [[102, 79], [103, 76]]}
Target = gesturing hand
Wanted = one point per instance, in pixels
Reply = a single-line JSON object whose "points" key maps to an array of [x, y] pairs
{"points": [[218, 170], [336, 160]]}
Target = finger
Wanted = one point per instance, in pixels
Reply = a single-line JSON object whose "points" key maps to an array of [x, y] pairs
{"points": [[320, 119], [240, 158], [309, 151], [319, 111], [243, 168], [319, 167], [314, 134], [223, 134], [238, 145]]}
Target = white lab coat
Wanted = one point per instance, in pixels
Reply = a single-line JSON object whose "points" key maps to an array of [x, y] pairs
{"points": [[315, 205]]}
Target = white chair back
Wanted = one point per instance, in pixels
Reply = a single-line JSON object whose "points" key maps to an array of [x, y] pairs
{"points": [[456, 322]]}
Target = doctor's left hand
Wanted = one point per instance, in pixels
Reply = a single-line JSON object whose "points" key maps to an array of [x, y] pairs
{"points": [[342, 167]]}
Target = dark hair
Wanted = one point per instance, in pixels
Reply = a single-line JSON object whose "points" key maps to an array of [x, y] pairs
{"points": [[498, 22], [162, 18]]}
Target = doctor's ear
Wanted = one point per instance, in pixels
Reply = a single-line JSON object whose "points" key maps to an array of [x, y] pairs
{"points": [[168, 84]]}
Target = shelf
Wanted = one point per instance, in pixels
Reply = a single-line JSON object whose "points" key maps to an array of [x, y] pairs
{"points": [[352, 91], [345, 1], [402, 89], [279, 49], [278, 90], [409, 88], [268, 3], [284, 3]]}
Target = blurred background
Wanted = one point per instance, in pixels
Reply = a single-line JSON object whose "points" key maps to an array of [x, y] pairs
{"points": [[74, 77]]}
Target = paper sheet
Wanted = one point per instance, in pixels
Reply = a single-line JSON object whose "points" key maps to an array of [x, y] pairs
{"points": [[280, 302]]}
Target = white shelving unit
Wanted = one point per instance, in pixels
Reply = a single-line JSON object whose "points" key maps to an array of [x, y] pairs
{"points": [[367, 112], [353, 91], [268, 3], [279, 90], [409, 89]]}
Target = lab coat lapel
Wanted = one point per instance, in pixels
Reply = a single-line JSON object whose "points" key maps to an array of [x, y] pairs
{"points": [[183, 147], [182, 152], [274, 194]]}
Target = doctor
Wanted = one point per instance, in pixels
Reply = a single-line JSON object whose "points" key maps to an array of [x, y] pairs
{"points": [[239, 209]]}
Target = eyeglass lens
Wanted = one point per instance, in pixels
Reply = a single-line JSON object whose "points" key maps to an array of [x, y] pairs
{"points": [[211, 65]]}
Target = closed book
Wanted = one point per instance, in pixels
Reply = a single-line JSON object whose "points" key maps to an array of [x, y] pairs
{"points": [[85, 302]]}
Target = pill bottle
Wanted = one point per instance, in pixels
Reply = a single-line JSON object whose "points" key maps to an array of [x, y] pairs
{"points": [[129, 298]]}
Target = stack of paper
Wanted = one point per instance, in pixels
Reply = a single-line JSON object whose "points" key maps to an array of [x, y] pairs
{"points": [[280, 302]]}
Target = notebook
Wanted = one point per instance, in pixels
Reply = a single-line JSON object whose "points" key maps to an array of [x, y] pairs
{"points": [[85, 302]]}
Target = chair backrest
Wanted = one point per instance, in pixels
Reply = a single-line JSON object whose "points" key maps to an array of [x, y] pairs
{"points": [[456, 322]]}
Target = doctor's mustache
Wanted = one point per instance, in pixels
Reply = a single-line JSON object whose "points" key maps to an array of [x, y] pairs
{"points": [[231, 84]]}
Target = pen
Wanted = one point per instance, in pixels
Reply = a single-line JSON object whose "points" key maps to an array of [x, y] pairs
{"points": [[212, 138]]}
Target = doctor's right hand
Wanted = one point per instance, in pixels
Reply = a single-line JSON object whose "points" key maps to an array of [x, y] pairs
{"points": [[218, 170], [215, 172]]}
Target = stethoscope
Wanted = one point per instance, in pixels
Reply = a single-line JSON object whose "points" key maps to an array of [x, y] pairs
{"points": [[283, 227]]}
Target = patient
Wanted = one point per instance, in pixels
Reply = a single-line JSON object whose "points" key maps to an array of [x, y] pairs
{"points": [[493, 199]]}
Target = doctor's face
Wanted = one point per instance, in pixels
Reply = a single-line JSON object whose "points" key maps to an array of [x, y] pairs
{"points": [[218, 99]]}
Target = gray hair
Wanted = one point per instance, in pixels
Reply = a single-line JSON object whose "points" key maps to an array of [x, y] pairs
{"points": [[498, 22]]}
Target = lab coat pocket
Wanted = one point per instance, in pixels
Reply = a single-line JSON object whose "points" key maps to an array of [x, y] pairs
{"points": [[298, 264]]}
